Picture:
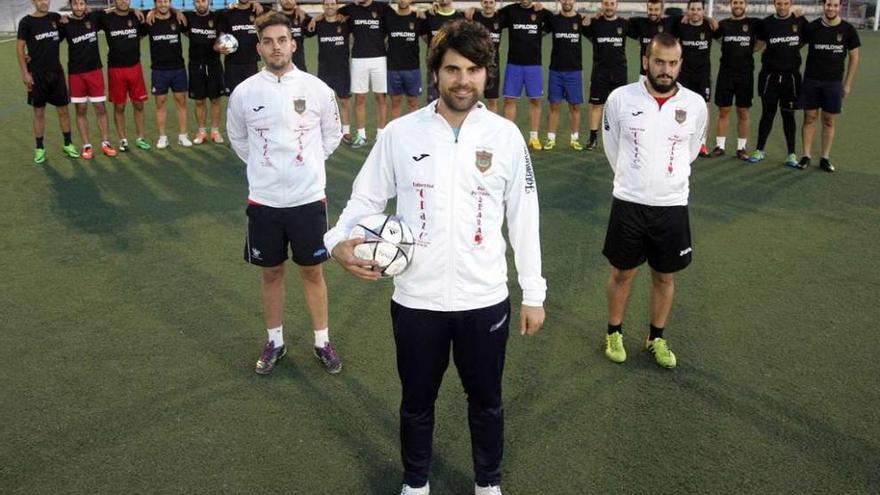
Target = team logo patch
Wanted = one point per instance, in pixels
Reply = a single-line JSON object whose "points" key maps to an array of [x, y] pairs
{"points": [[497, 26], [299, 105], [619, 30], [88, 25], [839, 38], [681, 115], [375, 15], [54, 26], [412, 26], [174, 27], [794, 28], [745, 28], [534, 17], [338, 29], [210, 24], [659, 29], [484, 160], [252, 17], [130, 24], [702, 36]]}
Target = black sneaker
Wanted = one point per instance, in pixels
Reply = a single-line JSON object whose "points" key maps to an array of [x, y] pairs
{"points": [[270, 356], [742, 154], [826, 165], [716, 152], [328, 357], [592, 144], [804, 163]]}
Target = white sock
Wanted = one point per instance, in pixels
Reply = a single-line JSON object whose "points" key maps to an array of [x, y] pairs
{"points": [[105, 143], [215, 129], [182, 136], [322, 337], [741, 143], [575, 136], [276, 335], [533, 134], [202, 129], [87, 146], [720, 141], [346, 129], [551, 136], [362, 133]]}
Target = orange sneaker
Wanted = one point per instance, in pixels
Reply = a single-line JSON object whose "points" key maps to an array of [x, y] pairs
{"points": [[108, 150], [216, 137], [86, 153], [200, 138]]}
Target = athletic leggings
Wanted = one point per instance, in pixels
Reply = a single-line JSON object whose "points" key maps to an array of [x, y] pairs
{"points": [[778, 90]]}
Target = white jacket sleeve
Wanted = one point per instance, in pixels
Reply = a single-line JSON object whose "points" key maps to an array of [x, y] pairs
{"points": [[611, 131], [372, 188], [236, 127], [331, 126], [521, 204], [699, 131]]}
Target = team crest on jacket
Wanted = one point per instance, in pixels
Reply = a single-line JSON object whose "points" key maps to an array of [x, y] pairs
{"points": [[299, 105], [680, 115], [484, 159]]}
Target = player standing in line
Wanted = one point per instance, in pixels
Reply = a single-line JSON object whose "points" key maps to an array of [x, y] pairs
{"points": [[524, 69], [695, 35], [738, 35], [80, 29], [830, 40], [488, 17], [434, 20], [643, 29], [652, 133], [298, 22], [238, 20], [779, 81], [439, 303], [38, 47], [168, 71], [283, 123], [566, 72], [607, 33], [333, 33], [404, 67], [205, 70]]}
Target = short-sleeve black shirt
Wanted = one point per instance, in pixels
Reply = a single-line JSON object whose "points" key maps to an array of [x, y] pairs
{"points": [[166, 51], [566, 54], [433, 23], [608, 37], [365, 24], [828, 48], [81, 34], [240, 23], [43, 39], [297, 31], [784, 38], [493, 24], [202, 32], [526, 28], [738, 38], [332, 46], [403, 40], [123, 38], [696, 46]]}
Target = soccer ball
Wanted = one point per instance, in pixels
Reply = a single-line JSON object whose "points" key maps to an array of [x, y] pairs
{"points": [[387, 240], [228, 41]]}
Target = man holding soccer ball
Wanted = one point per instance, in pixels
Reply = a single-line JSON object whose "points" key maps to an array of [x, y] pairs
{"points": [[284, 123], [455, 186]]}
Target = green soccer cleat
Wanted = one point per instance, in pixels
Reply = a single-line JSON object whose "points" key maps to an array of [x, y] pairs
{"points": [[142, 143], [792, 161], [614, 347], [662, 353], [757, 156], [70, 150], [40, 156], [549, 144], [576, 146]]}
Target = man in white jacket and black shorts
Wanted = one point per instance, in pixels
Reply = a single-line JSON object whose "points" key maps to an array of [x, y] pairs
{"points": [[468, 172], [284, 123], [652, 131]]}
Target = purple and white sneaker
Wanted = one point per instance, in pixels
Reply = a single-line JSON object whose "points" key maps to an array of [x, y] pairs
{"points": [[270, 356], [328, 357]]}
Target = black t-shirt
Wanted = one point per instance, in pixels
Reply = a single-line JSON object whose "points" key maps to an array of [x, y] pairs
{"points": [[784, 38], [166, 51], [332, 46], [493, 24], [42, 38], [526, 28], [643, 30], [566, 33], [297, 30], [696, 46], [403, 40], [365, 24], [828, 48], [240, 23], [738, 38], [202, 31], [433, 23], [83, 54], [123, 38], [609, 43]]}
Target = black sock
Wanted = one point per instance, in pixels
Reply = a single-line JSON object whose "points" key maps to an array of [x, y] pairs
{"points": [[39, 143], [594, 134], [615, 328], [66, 138], [656, 333]]}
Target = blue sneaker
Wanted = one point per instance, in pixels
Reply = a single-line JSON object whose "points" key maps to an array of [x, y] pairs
{"points": [[757, 156], [328, 357], [792, 161], [270, 356]]}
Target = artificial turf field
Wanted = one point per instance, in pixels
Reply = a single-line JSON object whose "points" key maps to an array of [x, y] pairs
{"points": [[130, 326]]}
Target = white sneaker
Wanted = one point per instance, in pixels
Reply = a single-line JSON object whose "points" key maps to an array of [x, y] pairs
{"points": [[408, 490], [183, 140], [162, 143], [201, 136], [487, 490]]}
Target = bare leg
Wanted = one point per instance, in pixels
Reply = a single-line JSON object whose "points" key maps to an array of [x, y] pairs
{"points": [[360, 110], [381, 111], [180, 105], [39, 121], [574, 117], [808, 130], [273, 295], [82, 121], [103, 121], [510, 109], [119, 119], [723, 122], [139, 118], [396, 101], [743, 123], [534, 114], [315, 290], [553, 118], [202, 113], [662, 292], [492, 105], [619, 285], [828, 121], [161, 114]]}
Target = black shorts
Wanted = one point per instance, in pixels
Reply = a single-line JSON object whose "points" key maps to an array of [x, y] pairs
{"points": [[49, 87], [781, 87], [493, 86], [271, 230], [206, 81], [698, 82], [339, 80], [827, 95], [732, 84], [234, 74], [603, 82], [660, 234]]}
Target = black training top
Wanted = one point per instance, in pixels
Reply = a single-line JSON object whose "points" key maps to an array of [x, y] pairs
{"points": [[828, 48], [43, 39]]}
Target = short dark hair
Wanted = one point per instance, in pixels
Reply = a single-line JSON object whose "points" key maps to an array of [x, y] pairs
{"points": [[272, 18], [701, 2], [472, 40], [655, 1], [663, 39]]}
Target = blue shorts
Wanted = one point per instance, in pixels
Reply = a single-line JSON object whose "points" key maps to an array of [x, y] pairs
{"points": [[405, 82], [827, 95], [517, 76], [567, 85], [164, 79]]}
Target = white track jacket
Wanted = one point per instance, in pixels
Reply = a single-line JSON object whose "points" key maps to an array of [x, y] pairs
{"points": [[455, 196], [650, 148], [284, 128]]}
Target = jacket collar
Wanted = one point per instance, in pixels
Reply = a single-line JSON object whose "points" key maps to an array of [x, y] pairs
{"points": [[643, 88], [287, 77], [476, 115]]}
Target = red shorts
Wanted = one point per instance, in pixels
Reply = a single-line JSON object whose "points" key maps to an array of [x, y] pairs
{"points": [[87, 87], [127, 82]]}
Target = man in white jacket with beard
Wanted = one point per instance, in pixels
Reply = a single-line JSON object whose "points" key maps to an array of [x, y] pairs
{"points": [[468, 171], [652, 131], [284, 123]]}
